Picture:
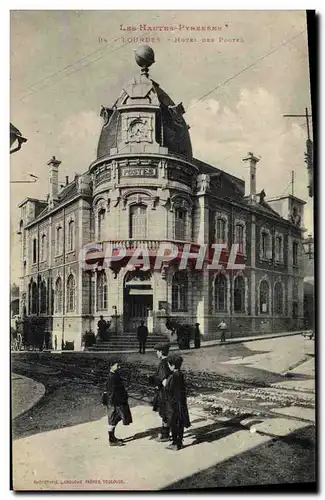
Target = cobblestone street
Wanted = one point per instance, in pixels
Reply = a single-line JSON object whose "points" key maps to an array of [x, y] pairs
{"points": [[264, 430]]}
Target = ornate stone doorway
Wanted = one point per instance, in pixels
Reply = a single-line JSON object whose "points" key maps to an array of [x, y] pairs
{"points": [[138, 299]]}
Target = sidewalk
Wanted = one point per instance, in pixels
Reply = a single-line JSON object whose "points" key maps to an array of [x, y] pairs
{"points": [[204, 343], [81, 459]]}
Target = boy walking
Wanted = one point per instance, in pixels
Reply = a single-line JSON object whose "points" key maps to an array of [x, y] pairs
{"points": [[177, 411], [159, 380], [117, 404]]}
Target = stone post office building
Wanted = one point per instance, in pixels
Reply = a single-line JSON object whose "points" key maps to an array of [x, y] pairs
{"points": [[145, 187]]}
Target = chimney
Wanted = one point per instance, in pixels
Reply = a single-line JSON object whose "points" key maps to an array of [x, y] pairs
{"points": [[66, 180], [252, 160], [53, 164]]}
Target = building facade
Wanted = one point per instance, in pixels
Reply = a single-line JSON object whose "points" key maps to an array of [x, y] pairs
{"points": [[145, 188]]}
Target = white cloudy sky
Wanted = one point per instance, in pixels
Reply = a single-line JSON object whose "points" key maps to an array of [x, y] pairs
{"points": [[59, 114]]}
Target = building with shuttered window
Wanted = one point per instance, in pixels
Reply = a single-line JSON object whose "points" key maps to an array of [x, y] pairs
{"points": [[145, 188]]}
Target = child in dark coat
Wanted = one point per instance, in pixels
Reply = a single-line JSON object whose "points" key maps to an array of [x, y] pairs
{"points": [[158, 380], [177, 411], [117, 404]]}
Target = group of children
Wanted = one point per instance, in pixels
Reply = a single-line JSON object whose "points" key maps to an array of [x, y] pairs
{"points": [[170, 399]]}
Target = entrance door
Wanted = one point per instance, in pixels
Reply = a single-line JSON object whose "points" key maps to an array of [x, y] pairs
{"points": [[137, 299], [136, 310], [295, 314]]}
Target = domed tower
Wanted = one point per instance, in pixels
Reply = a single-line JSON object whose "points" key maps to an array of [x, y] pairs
{"points": [[144, 118], [143, 183]]}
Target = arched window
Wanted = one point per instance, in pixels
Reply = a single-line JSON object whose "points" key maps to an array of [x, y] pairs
{"points": [[138, 221], [58, 295], [239, 294], [101, 291], [221, 236], [101, 223], [239, 237], [58, 240], [71, 236], [34, 250], [220, 293], [278, 298], [43, 248], [180, 224], [34, 297], [264, 297], [180, 292], [43, 290], [71, 294]]}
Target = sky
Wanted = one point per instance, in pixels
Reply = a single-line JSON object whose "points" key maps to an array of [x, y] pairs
{"points": [[65, 64]]}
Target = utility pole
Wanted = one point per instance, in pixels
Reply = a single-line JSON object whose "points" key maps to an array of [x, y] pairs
{"points": [[309, 160]]}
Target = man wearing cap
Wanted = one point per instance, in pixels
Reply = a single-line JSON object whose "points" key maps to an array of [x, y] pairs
{"points": [[159, 381]]}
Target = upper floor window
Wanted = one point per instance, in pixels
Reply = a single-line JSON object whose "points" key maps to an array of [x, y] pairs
{"points": [[180, 224], [71, 236], [180, 292], [58, 240], [71, 294], [239, 237], [278, 248], [33, 297], [239, 294], [34, 250], [138, 221], [264, 297], [265, 245], [43, 248], [221, 226], [295, 253], [101, 223]]}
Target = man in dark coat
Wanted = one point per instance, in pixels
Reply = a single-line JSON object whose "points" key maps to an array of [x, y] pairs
{"points": [[142, 337], [117, 404], [102, 327], [197, 336], [158, 380], [176, 408]]}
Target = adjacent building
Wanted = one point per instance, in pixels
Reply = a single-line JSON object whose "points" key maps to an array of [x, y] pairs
{"points": [[143, 189]]}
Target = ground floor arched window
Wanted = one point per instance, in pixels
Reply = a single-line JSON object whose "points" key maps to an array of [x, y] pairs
{"points": [[71, 294], [180, 292], [101, 291], [43, 292], [264, 297], [239, 294], [278, 298], [220, 293]]}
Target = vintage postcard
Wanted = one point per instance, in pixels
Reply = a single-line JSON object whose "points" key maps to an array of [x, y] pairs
{"points": [[162, 250]]}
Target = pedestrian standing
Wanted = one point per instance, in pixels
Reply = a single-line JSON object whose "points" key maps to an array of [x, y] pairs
{"points": [[117, 403], [158, 380], [197, 336], [55, 342], [102, 327], [223, 327], [177, 411], [142, 334]]}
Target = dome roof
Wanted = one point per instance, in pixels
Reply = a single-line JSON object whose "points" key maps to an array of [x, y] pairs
{"points": [[171, 132]]}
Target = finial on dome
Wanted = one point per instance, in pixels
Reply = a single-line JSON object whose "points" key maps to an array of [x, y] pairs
{"points": [[144, 57]]}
